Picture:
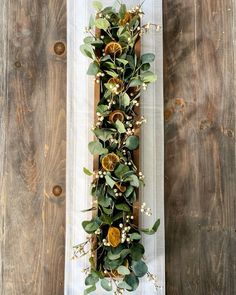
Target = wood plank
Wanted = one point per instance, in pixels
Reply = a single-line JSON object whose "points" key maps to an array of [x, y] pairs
{"points": [[200, 169], [33, 238], [3, 107]]}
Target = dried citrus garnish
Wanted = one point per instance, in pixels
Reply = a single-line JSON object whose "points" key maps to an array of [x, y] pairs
{"points": [[120, 187], [126, 19], [116, 85], [110, 161], [113, 48], [116, 115], [113, 236]]}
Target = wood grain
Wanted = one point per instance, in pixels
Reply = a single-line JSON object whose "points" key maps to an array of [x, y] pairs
{"points": [[200, 174], [32, 235]]}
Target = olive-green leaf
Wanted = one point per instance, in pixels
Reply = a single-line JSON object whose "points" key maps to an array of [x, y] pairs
{"points": [[132, 142], [106, 285], [102, 23], [87, 171]]}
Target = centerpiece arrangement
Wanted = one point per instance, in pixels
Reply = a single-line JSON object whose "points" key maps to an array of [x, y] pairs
{"points": [[121, 72]]}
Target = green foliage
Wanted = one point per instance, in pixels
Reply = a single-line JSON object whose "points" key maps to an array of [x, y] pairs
{"points": [[96, 148], [132, 142], [114, 191], [140, 268], [153, 229], [102, 23], [106, 285], [97, 5]]}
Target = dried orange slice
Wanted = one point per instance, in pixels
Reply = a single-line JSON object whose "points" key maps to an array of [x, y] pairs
{"points": [[120, 187], [116, 115], [117, 85], [113, 236], [113, 48], [126, 19], [110, 161]]}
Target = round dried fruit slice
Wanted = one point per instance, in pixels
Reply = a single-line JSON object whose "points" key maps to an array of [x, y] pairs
{"points": [[116, 115], [113, 236], [120, 187], [113, 48], [126, 19], [110, 161], [116, 85]]}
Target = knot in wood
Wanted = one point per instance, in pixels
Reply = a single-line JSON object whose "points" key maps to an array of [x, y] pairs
{"points": [[59, 48]]}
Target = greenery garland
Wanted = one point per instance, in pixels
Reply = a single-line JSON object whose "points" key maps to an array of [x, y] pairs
{"points": [[116, 253]]}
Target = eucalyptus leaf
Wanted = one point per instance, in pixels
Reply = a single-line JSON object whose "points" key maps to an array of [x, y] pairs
{"points": [[97, 5], [123, 207], [122, 11], [102, 23], [125, 286], [87, 50], [90, 209], [110, 181], [140, 268], [135, 82], [102, 109], [112, 74], [121, 170], [137, 251], [147, 58], [133, 179], [132, 142], [125, 100], [135, 236], [120, 126], [123, 270], [106, 285], [91, 22], [103, 134], [93, 69], [132, 281], [88, 40], [91, 279], [123, 61], [106, 219], [96, 148], [90, 290], [87, 171], [149, 77], [90, 226], [129, 191], [152, 230]]}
